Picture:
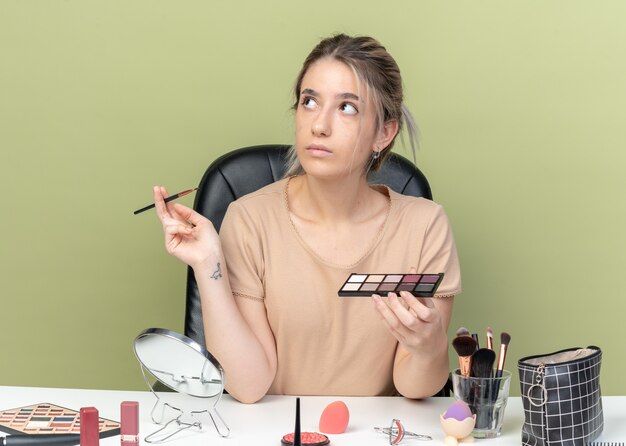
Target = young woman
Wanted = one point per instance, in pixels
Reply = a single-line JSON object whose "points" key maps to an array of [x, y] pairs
{"points": [[269, 281]]}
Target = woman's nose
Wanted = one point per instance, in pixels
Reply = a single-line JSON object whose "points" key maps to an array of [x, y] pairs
{"points": [[321, 124]]}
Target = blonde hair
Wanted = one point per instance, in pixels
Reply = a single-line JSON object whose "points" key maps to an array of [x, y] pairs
{"points": [[378, 71]]}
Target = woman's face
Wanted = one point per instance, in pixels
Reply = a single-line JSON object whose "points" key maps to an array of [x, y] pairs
{"points": [[335, 122]]}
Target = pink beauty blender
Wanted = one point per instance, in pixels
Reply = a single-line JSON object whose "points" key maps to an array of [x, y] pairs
{"points": [[334, 419]]}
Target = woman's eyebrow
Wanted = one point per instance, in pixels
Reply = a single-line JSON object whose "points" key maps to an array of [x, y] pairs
{"points": [[348, 96], [311, 92]]}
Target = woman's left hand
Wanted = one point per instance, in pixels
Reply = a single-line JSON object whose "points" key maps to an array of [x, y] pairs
{"points": [[415, 322]]}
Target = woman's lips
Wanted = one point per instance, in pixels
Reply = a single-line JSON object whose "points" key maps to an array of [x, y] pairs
{"points": [[318, 150]]}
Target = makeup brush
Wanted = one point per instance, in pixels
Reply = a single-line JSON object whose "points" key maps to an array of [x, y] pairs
{"points": [[297, 440], [505, 338], [465, 346], [482, 363], [482, 367], [462, 331], [475, 336], [489, 338], [167, 200]]}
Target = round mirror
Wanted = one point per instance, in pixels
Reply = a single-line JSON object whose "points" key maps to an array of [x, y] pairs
{"points": [[179, 362]]}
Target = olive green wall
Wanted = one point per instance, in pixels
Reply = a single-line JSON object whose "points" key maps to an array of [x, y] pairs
{"points": [[521, 106]]}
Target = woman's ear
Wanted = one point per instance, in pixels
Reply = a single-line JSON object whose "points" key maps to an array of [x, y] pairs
{"points": [[387, 134]]}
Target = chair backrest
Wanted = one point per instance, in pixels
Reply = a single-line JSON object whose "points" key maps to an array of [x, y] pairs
{"points": [[245, 170]]}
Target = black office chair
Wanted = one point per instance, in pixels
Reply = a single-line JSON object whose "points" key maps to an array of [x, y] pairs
{"points": [[246, 170]]}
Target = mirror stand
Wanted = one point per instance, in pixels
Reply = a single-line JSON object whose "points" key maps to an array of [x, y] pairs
{"points": [[167, 415], [193, 373]]}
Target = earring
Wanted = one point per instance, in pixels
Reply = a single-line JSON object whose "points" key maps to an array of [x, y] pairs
{"points": [[375, 155]]}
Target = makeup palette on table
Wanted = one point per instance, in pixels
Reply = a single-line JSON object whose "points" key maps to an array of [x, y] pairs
{"points": [[419, 285], [45, 418]]}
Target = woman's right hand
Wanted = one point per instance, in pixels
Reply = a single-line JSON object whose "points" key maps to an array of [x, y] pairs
{"points": [[189, 236]]}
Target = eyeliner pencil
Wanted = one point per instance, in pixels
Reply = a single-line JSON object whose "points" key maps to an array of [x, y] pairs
{"points": [[168, 199], [297, 439], [40, 440]]}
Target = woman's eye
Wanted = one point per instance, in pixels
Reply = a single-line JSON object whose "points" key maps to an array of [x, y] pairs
{"points": [[348, 109], [308, 102]]}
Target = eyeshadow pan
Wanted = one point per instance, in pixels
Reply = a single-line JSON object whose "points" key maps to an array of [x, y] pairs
{"points": [[70, 419], [420, 285], [387, 287], [430, 278], [424, 288], [405, 287]]}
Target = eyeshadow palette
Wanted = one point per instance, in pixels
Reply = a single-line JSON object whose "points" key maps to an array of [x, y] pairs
{"points": [[45, 418], [420, 285]]}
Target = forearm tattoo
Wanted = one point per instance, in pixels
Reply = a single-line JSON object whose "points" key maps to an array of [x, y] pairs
{"points": [[218, 272]]}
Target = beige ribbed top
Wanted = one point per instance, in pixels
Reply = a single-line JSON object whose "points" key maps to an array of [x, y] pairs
{"points": [[329, 345]]}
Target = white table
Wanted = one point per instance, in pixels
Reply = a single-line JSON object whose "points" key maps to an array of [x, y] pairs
{"points": [[265, 422]]}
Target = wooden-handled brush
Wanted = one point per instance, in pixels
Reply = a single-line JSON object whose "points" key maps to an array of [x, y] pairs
{"points": [[505, 338], [465, 347], [489, 338]]}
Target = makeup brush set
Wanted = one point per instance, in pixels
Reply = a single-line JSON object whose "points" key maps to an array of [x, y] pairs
{"points": [[476, 361], [481, 375]]}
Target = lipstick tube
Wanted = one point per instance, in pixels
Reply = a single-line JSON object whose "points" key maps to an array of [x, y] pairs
{"points": [[89, 427], [130, 423]]}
